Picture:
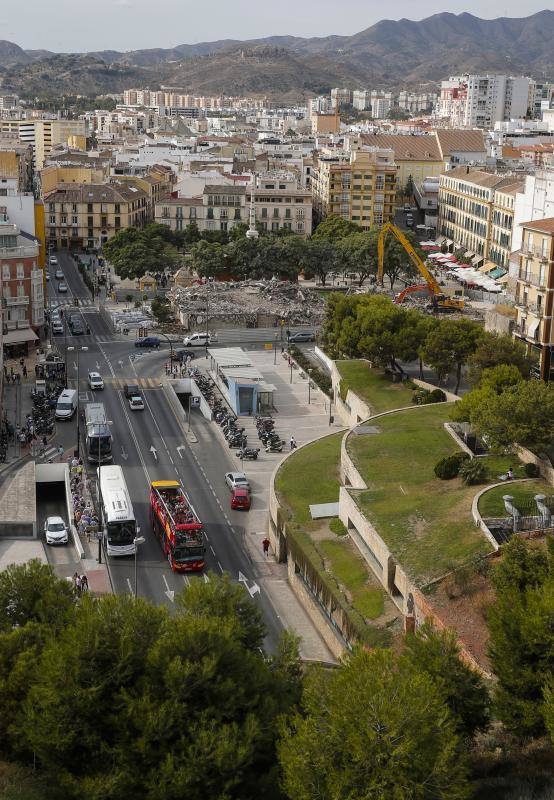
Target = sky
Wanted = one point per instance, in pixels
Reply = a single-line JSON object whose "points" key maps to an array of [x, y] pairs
{"points": [[81, 25]]}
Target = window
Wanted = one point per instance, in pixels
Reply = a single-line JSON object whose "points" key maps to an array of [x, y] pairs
{"points": [[20, 271], [51, 206], [90, 222], [117, 208], [287, 226], [192, 213], [178, 224], [210, 213], [74, 220], [300, 226], [89, 208], [74, 208], [223, 226], [179, 212], [20, 290], [52, 219], [287, 213], [237, 213], [117, 222], [276, 213], [63, 219], [6, 272], [165, 212], [103, 222], [264, 213], [222, 213], [274, 226], [74, 232]]}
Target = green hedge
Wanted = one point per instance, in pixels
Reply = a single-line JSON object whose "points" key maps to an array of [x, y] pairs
{"points": [[317, 375]]}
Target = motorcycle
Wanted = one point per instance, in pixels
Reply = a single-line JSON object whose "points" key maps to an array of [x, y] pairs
{"points": [[238, 441], [276, 447], [248, 453]]}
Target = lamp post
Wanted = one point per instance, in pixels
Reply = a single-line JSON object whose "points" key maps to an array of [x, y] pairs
{"points": [[275, 349], [208, 284], [170, 344], [101, 515], [138, 540], [77, 350], [309, 385]]}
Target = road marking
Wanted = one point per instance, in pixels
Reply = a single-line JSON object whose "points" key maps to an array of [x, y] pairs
{"points": [[402, 489], [154, 452], [173, 462], [124, 454], [206, 578], [187, 580], [219, 565], [129, 585], [169, 593], [181, 447], [213, 551]]}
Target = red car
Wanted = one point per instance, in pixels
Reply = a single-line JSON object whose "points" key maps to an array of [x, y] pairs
{"points": [[240, 499]]}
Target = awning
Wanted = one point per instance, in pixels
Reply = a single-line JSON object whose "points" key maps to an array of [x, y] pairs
{"points": [[469, 254], [503, 278], [488, 266], [533, 328], [19, 336], [476, 260], [497, 273]]}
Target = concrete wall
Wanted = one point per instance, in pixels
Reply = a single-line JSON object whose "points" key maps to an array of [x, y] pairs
{"points": [[545, 467]]}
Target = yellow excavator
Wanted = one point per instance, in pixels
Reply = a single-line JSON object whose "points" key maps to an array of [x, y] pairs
{"points": [[439, 300]]}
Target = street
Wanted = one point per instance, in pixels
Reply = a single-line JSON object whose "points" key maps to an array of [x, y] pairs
{"points": [[150, 445]]}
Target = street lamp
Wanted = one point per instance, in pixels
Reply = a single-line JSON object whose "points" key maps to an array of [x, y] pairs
{"points": [[275, 349], [137, 541], [77, 350], [170, 344], [208, 284], [309, 385]]}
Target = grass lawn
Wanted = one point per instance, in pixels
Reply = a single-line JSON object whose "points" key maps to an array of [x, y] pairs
{"points": [[373, 386], [351, 571], [425, 522], [492, 505], [310, 476]]}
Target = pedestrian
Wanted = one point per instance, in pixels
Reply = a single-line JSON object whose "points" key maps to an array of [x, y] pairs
{"points": [[21, 361], [265, 546], [5, 371], [74, 578], [509, 474], [11, 372], [84, 583], [24, 370], [60, 451], [77, 578], [18, 376], [293, 444]]}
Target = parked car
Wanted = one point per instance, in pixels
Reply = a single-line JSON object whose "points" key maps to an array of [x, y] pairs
{"points": [[59, 274], [182, 355], [136, 403], [302, 336], [236, 480], [95, 380], [240, 499], [199, 339], [131, 390], [53, 261], [55, 531], [148, 341], [62, 288], [57, 327]]}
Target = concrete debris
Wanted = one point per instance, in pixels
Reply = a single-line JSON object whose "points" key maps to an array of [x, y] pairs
{"points": [[250, 303]]}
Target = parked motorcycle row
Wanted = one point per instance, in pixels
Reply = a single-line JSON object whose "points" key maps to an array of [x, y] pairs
{"points": [[268, 436]]}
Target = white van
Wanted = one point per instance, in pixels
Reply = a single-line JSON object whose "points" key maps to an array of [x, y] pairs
{"points": [[199, 339], [67, 404]]}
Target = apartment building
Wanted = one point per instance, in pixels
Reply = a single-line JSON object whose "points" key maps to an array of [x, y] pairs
{"points": [[341, 97], [535, 294], [357, 184], [471, 204], [381, 104], [280, 205], [416, 157], [22, 287], [479, 101], [535, 201], [325, 123], [416, 102], [87, 215], [361, 99], [44, 134], [16, 164]]}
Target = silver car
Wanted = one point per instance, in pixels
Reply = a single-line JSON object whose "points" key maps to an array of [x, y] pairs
{"points": [[55, 531], [236, 480]]}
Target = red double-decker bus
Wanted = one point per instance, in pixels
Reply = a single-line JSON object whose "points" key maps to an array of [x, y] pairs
{"points": [[177, 526]]}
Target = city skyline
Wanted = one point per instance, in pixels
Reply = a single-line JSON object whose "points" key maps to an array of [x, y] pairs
{"points": [[130, 22]]}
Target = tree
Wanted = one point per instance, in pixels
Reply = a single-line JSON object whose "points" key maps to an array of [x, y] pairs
{"points": [[521, 646], [409, 188], [358, 252], [20, 783], [522, 414], [371, 729], [396, 261], [134, 252], [30, 593], [191, 233], [238, 231], [437, 654], [450, 345], [319, 258], [161, 309], [494, 349], [333, 228], [209, 260]]}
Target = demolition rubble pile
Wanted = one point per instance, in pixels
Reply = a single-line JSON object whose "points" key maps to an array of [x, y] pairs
{"points": [[248, 303]]}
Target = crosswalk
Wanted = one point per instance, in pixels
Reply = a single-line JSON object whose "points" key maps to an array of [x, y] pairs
{"points": [[142, 383], [49, 452]]}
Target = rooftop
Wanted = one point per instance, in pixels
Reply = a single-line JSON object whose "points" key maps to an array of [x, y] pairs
{"points": [[541, 225]]}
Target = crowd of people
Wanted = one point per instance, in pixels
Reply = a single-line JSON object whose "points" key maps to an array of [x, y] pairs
{"points": [[86, 519]]}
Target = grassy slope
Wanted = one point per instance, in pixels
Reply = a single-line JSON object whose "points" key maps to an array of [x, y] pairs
{"points": [[373, 387]]}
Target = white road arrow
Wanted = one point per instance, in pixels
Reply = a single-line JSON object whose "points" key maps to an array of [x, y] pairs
{"points": [[75, 365], [168, 592], [124, 454], [253, 589], [206, 578], [181, 447], [243, 579], [98, 366], [154, 452]]}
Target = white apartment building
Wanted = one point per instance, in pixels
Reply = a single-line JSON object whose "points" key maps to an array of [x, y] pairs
{"points": [[534, 202], [341, 97], [361, 99], [416, 102], [479, 101], [381, 103], [320, 105]]}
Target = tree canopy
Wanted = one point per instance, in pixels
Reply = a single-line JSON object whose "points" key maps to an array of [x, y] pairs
{"points": [[135, 251]]}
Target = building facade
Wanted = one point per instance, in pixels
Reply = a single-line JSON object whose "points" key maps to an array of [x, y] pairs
{"points": [[535, 294], [44, 134], [479, 101], [535, 201], [81, 216], [359, 185], [22, 282]]}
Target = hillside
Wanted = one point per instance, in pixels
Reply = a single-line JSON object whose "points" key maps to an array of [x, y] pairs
{"points": [[388, 54]]}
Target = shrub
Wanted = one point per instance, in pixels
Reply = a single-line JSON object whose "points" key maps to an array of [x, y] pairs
{"points": [[337, 527], [436, 396], [423, 397], [449, 467], [472, 471], [419, 396], [317, 375], [531, 470]]}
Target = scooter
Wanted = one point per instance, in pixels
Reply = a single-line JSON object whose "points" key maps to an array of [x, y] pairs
{"points": [[248, 453], [275, 447], [238, 441]]}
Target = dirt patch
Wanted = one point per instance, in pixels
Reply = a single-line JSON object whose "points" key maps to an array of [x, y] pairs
{"points": [[417, 525]]}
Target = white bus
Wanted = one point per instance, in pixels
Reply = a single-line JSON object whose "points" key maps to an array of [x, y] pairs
{"points": [[118, 517]]}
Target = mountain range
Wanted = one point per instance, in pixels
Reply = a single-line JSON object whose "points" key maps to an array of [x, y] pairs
{"points": [[389, 54]]}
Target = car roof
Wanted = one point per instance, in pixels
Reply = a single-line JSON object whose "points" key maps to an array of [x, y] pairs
{"points": [[54, 520], [237, 475], [136, 397], [241, 490], [94, 374]]}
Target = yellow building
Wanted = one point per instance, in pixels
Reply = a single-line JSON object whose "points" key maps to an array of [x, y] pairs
{"points": [[16, 164], [44, 134], [416, 157], [535, 294], [87, 215], [359, 185], [325, 123]]}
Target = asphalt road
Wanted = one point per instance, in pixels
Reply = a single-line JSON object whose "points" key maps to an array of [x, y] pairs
{"points": [[150, 445]]}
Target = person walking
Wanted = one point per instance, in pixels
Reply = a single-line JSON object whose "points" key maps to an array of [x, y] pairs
{"points": [[77, 579], [293, 444], [84, 583], [60, 451], [265, 546], [24, 370]]}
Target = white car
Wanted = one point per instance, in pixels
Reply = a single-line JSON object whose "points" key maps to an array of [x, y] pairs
{"points": [[236, 480], [95, 380], [58, 274], [55, 531], [199, 339], [62, 287], [53, 261], [136, 403], [57, 327]]}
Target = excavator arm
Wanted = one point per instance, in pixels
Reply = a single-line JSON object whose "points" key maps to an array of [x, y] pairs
{"points": [[434, 287]]}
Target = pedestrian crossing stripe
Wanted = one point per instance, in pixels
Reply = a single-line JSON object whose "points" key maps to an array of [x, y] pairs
{"points": [[50, 452], [142, 383]]}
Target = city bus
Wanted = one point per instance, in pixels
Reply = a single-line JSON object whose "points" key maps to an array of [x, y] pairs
{"points": [[98, 438], [117, 511]]}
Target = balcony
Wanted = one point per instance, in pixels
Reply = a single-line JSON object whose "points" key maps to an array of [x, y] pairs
{"points": [[534, 252], [24, 251], [532, 278], [21, 300]]}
